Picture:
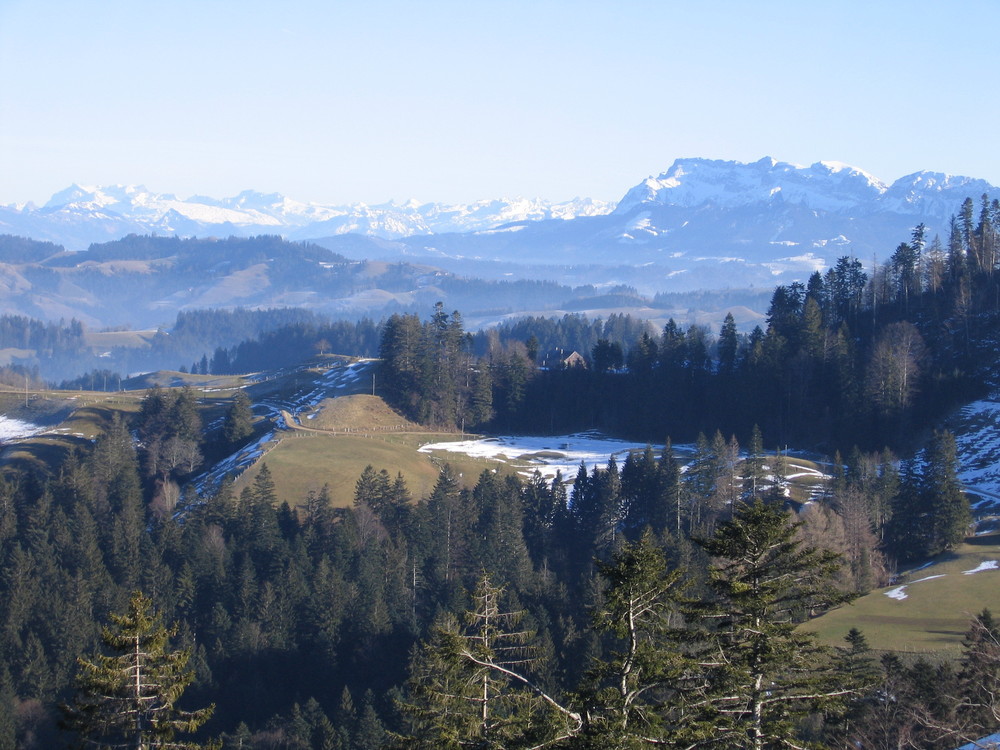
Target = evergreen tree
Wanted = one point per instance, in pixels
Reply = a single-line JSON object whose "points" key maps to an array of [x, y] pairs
{"points": [[642, 495], [606, 356], [909, 534], [238, 423], [442, 537], [669, 512], [945, 498], [904, 263], [471, 684], [369, 734], [597, 507], [502, 551], [728, 345], [762, 672], [700, 483], [754, 470], [127, 699], [480, 409], [857, 663], [979, 678], [847, 286], [540, 511], [644, 670], [371, 488], [323, 735]]}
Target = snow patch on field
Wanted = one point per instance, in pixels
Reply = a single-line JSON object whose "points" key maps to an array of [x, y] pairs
{"points": [[333, 379], [985, 565], [928, 578], [549, 455], [978, 441], [899, 593], [12, 429], [234, 465]]}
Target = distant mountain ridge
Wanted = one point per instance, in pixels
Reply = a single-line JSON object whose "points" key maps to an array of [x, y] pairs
{"points": [[707, 224], [825, 186], [702, 224], [78, 216]]}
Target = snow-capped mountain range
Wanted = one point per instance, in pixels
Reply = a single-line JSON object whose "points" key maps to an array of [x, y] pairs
{"points": [[707, 224], [828, 186], [701, 224], [78, 216]]}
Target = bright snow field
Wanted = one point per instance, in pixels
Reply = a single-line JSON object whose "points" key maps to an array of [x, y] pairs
{"points": [[551, 454]]}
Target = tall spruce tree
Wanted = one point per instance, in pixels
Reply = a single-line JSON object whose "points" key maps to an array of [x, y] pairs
{"points": [[127, 699], [471, 684], [754, 470], [645, 668], [946, 500], [762, 673], [238, 423], [728, 345]]}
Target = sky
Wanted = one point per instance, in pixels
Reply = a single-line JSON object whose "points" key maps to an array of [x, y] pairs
{"points": [[339, 102]]}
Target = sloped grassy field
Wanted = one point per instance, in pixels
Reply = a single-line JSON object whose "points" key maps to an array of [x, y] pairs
{"points": [[303, 462], [927, 609]]}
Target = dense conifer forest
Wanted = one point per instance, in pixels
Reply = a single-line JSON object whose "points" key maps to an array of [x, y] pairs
{"points": [[637, 605], [848, 358]]}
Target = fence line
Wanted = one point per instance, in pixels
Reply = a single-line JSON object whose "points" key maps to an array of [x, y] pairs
{"points": [[300, 430]]}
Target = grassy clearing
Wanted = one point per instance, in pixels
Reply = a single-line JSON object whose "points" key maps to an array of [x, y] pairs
{"points": [[73, 419], [319, 452], [284, 383], [936, 612], [361, 412], [172, 379], [37, 407], [109, 339], [305, 463]]}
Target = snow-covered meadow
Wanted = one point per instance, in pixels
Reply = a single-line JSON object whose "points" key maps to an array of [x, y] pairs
{"points": [[549, 455], [12, 429], [564, 454], [977, 437]]}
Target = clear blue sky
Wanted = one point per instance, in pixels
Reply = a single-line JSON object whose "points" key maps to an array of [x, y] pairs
{"points": [[329, 101]]}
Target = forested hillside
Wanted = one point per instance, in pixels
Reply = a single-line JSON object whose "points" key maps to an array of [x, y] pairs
{"points": [[644, 603], [507, 613], [849, 358]]}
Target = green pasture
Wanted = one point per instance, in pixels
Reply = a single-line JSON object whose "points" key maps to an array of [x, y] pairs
{"points": [[301, 462], [936, 612]]}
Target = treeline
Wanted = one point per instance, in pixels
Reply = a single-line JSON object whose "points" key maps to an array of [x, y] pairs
{"points": [[227, 342], [188, 345], [586, 612], [549, 340], [200, 341], [23, 250], [288, 345], [847, 358], [193, 253], [48, 340]]}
